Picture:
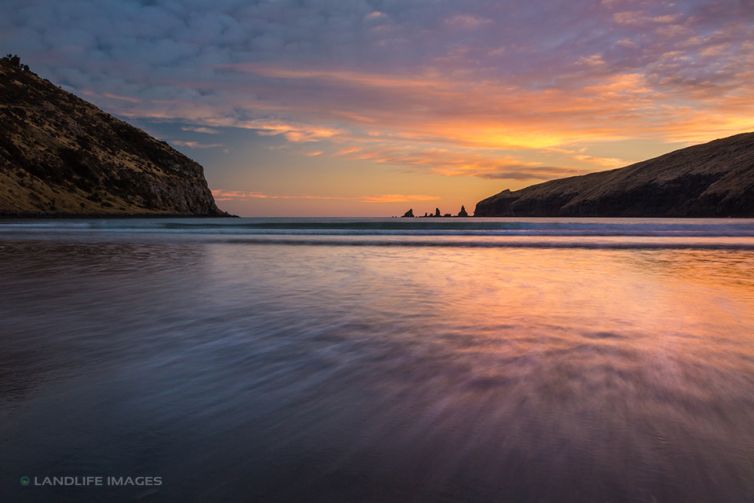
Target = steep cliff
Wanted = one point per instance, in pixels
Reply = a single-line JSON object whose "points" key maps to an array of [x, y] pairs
{"points": [[62, 156], [715, 179]]}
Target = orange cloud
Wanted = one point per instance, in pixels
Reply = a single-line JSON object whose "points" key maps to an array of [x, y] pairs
{"points": [[455, 123], [344, 76], [196, 144], [293, 132], [237, 195], [397, 198]]}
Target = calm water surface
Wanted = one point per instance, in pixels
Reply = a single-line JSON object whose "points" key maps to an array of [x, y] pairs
{"points": [[379, 360]]}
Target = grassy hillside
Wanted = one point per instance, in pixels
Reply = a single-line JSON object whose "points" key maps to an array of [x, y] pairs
{"points": [[711, 180], [60, 155]]}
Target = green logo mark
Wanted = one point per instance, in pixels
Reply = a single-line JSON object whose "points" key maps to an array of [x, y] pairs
{"points": [[25, 481]]}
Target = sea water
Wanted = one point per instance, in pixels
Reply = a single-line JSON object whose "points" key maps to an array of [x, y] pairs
{"points": [[377, 360]]}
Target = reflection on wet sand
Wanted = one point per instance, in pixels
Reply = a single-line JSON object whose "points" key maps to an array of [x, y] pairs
{"points": [[380, 374]]}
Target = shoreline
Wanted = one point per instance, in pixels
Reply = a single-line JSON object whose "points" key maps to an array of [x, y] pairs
{"points": [[72, 216]]}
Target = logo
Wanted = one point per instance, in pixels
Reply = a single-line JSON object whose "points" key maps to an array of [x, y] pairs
{"points": [[90, 481]]}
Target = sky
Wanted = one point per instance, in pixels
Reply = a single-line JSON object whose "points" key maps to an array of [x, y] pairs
{"points": [[368, 108]]}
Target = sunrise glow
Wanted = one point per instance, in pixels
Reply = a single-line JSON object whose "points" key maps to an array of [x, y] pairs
{"points": [[368, 108]]}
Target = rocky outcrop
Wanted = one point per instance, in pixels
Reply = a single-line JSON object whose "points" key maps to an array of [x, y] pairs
{"points": [[715, 179], [463, 212], [62, 156], [409, 214]]}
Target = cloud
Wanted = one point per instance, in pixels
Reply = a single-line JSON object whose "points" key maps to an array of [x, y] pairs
{"points": [[293, 132], [467, 21], [196, 144], [397, 198], [375, 14], [200, 129], [127, 99], [239, 195], [454, 88], [477, 162], [236, 195], [534, 173]]}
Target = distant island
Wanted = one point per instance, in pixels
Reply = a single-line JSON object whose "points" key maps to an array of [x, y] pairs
{"points": [[63, 156], [715, 179]]}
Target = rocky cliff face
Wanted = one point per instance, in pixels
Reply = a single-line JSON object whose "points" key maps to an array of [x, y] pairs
{"points": [[711, 180], [60, 155]]}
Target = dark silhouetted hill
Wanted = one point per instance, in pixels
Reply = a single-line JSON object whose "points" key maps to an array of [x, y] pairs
{"points": [[62, 156], [715, 179]]}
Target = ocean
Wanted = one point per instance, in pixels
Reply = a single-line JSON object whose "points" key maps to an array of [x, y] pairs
{"points": [[377, 360]]}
